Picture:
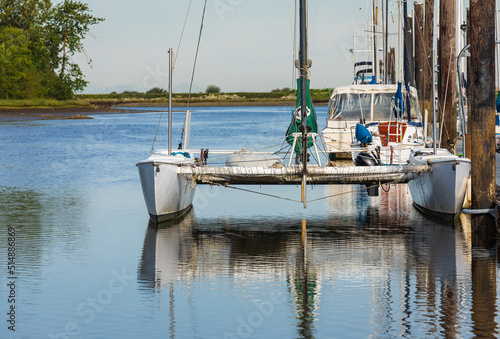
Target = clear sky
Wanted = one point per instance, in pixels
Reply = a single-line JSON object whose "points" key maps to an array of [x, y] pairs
{"points": [[246, 44]]}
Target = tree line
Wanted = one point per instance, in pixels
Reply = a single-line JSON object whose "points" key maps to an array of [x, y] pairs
{"points": [[37, 42]]}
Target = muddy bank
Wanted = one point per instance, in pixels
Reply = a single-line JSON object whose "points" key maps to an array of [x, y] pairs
{"points": [[43, 113], [99, 108]]}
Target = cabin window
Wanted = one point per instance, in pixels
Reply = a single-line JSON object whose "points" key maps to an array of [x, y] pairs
{"points": [[351, 107], [382, 107]]}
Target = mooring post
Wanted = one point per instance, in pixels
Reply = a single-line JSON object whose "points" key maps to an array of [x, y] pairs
{"points": [[418, 24], [447, 74], [482, 115], [428, 48]]}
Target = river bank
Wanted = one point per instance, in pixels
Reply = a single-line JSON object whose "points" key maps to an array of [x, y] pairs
{"points": [[84, 109]]}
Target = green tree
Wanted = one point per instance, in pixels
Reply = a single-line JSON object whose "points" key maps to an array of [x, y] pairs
{"points": [[284, 90], [69, 23], [52, 35], [24, 14], [19, 77], [157, 90], [213, 89]]}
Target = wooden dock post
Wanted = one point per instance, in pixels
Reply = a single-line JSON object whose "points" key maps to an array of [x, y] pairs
{"points": [[448, 74], [482, 115], [418, 25], [428, 48]]}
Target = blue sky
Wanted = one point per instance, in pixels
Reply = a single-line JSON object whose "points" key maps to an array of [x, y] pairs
{"points": [[246, 44]]}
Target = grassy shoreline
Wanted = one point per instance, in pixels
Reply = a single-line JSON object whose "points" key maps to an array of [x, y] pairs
{"points": [[134, 99], [42, 103], [83, 106]]}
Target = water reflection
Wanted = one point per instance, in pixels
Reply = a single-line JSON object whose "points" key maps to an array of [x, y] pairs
{"points": [[484, 302], [304, 287], [44, 222], [166, 246], [388, 267]]}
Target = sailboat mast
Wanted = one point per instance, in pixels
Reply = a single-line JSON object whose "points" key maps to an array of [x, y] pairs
{"points": [[303, 92], [386, 46], [170, 67], [406, 71], [303, 79]]}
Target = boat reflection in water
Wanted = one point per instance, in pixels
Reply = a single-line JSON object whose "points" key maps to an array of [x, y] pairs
{"points": [[390, 272]]}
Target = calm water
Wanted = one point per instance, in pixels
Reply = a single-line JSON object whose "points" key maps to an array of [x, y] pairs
{"points": [[240, 265]]}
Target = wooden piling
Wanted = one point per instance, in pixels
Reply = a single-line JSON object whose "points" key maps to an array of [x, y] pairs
{"points": [[428, 48], [447, 73], [469, 76], [482, 115], [418, 25]]}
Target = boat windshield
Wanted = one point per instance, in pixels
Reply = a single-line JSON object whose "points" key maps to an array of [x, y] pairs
{"points": [[357, 106], [351, 106], [382, 106]]}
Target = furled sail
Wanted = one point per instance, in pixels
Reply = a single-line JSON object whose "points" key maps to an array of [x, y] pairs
{"points": [[296, 123]]}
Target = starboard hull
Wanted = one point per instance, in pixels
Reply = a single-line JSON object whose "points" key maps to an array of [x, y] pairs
{"points": [[441, 191], [167, 194]]}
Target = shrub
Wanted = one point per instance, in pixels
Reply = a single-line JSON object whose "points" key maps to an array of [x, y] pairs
{"points": [[281, 90], [212, 89], [157, 90]]}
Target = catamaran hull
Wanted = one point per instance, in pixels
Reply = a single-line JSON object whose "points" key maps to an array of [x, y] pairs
{"points": [[167, 194], [441, 191]]}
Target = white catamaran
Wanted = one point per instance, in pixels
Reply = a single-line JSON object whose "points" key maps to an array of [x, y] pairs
{"points": [[169, 178]]}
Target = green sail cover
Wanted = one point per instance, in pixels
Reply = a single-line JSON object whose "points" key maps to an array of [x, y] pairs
{"points": [[297, 121]]}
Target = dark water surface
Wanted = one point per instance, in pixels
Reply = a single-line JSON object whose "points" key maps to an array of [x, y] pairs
{"points": [[239, 265]]}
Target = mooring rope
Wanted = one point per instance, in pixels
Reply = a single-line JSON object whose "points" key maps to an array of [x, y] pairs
{"points": [[255, 192], [298, 201], [360, 189]]}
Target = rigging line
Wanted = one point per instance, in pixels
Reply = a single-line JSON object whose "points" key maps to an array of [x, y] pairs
{"points": [[444, 105], [182, 33], [157, 128], [175, 59], [314, 29], [159, 122], [260, 193], [194, 67]]}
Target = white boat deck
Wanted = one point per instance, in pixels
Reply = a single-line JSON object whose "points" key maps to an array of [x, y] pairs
{"points": [[292, 175]]}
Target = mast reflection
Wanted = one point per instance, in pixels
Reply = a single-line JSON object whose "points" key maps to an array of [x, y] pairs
{"points": [[418, 277]]}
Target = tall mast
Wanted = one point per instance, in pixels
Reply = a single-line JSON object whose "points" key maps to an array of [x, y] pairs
{"points": [[374, 35], [170, 67], [304, 68], [406, 72], [386, 47]]}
